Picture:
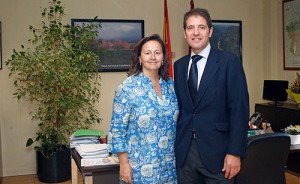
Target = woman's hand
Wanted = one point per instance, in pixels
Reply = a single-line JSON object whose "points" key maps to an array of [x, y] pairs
{"points": [[125, 168], [126, 173]]}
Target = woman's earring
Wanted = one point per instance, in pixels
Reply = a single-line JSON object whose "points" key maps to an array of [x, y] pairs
{"points": [[162, 62]]}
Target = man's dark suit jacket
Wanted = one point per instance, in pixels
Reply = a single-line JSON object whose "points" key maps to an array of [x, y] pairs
{"points": [[220, 115]]}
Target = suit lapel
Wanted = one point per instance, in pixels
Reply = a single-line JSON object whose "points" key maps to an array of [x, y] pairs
{"points": [[211, 67], [184, 81]]}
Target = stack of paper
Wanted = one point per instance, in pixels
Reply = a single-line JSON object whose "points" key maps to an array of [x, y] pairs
{"points": [[87, 143], [95, 154], [85, 136], [92, 150]]}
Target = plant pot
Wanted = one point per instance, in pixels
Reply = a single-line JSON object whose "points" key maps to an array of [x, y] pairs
{"points": [[55, 169], [295, 139]]}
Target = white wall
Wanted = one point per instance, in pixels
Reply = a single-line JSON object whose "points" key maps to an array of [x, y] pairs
{"points": [[262, 54]]}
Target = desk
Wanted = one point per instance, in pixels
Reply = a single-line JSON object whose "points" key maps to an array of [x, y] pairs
{"points": [[280, 117], [94, 174], [293, 160]]}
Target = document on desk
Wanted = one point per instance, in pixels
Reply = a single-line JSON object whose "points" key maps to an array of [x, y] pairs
{"points": [[98, 161]]}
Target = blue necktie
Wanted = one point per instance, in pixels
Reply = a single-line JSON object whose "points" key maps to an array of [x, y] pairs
{"points": [[193, 77]]}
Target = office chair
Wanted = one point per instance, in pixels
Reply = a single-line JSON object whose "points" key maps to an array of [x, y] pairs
{"points": [[265, 160]]}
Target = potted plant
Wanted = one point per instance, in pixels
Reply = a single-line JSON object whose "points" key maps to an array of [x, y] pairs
{"points": [[55, 74], [294, 90], [294, 133]]}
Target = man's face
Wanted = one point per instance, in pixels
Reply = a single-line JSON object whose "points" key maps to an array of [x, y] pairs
{"points": [[197, 33]]}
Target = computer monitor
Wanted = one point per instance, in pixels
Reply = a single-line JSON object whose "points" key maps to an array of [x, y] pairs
{"points": [[275, 90]]}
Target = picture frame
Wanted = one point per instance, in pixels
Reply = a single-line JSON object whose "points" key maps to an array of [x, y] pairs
{"points": [[0, 46], [227, 36], [117, 38], [291, 34]]}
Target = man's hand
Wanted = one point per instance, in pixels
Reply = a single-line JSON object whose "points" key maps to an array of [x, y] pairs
{"points": [[232, 165]]}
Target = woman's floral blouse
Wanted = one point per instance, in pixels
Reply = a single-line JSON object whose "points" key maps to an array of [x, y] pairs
{"points": [[144, 125]]}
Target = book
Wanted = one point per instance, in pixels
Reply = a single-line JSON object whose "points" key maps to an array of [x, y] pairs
{"points": [[88, 132]]}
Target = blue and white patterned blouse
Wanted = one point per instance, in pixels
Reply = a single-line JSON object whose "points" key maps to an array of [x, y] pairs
{"points": [[144, 125]]}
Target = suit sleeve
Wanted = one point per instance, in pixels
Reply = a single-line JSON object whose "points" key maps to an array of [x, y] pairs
{"points": [[238, 103], [176, 86]]}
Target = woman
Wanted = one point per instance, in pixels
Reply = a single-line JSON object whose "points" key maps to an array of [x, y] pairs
{"points": [[145, 111]]}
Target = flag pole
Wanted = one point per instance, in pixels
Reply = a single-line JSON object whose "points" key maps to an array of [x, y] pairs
{"points": [[192, 7], [192, 4], [166, 37]]}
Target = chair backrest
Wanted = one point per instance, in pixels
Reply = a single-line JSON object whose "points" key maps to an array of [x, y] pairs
{"points": [[265, 160]]}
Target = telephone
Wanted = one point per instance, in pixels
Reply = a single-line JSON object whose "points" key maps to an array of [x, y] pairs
{"points": [[255, 119]]}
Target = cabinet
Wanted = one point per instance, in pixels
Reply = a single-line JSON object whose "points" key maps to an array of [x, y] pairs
{"points": [[279, 116]]}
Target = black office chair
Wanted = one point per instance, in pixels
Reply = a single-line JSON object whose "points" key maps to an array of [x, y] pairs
{"points": [[265, 160]]}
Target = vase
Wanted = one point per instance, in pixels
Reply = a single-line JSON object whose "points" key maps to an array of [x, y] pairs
{"points": [[295, 139]]}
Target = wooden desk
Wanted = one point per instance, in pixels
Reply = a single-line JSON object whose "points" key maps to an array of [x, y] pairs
{"points": [[295, 148], [280, 117], [94, 174], [293, 161]]}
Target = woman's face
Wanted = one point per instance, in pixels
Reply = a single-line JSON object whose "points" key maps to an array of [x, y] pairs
{"points": [[151, 57]]}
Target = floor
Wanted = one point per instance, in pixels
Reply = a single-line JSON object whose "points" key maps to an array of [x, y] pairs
{"points": [[291, 179], [32, 179]]}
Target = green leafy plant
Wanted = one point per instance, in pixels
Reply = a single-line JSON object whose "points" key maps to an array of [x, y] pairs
{"points": [[55, 74]]}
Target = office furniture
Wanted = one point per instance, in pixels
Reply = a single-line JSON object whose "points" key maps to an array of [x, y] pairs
{"points": [[93, 174], [293, 161], [265, 161], [279, 116]]}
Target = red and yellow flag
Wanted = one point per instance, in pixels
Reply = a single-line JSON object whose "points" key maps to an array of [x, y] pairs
{"points": [[166, 37]]}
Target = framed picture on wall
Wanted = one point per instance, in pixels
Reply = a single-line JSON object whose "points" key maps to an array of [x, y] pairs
{"points": [[227, 36], [291, 34], [117, 38]]}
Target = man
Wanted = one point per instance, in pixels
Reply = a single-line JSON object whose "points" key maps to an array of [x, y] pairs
{"points": [[213, 120]]}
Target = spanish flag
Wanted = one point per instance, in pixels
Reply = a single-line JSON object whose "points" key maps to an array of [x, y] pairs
{"points": [[166, 37]]}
